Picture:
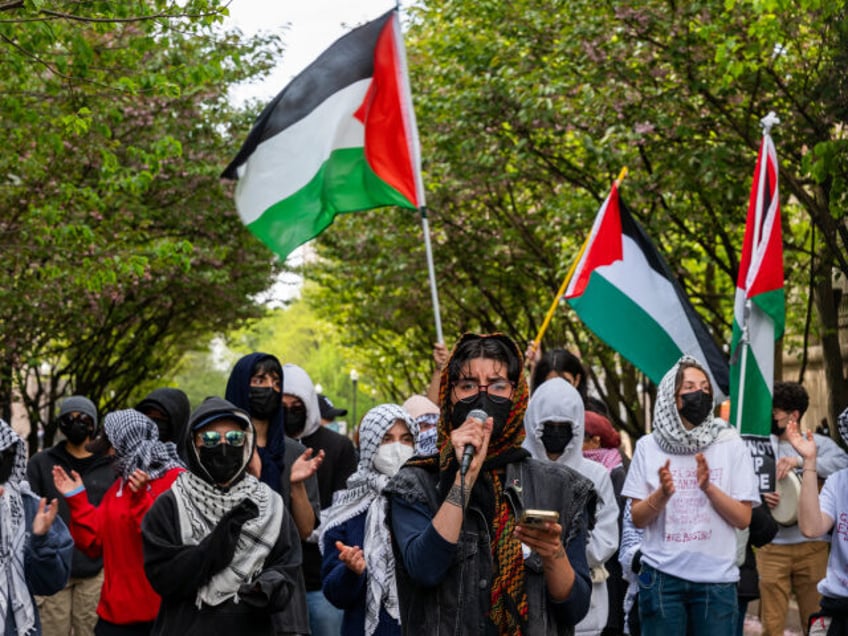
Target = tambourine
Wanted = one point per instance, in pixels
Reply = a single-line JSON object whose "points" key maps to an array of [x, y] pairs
{"points": [[789, 489]]}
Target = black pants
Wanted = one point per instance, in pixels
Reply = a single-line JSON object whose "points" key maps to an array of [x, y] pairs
{"points": [[105, 628]]}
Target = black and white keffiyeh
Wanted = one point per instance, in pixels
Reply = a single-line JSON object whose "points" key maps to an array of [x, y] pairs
{"points": [[14, 593], [668, 429], [363, 492], [136, 441], [201, 505], [842, 425]]}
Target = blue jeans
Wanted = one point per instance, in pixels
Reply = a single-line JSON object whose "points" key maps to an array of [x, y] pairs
{"points": [[325, 619], [669, 605]]}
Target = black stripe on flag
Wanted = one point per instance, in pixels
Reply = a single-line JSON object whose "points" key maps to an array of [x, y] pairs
{"points": [[348, 60], [716, 359]]}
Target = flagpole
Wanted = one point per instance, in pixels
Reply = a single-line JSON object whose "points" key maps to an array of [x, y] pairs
{"points": [[431, 270], [549, 316], [744, 341]]}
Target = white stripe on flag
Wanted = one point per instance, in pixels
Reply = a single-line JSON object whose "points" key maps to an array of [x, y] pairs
{"points": [[285, 163]]}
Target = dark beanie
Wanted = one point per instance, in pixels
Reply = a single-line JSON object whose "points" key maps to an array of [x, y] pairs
{"points": [[80, 404]]}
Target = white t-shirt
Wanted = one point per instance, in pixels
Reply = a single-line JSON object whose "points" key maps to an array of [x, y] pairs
{"points": [[833, 501], [689, 539]]}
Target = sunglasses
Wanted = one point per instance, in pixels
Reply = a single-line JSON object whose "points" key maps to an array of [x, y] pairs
{"points": [[211, 439], [70, 420]]}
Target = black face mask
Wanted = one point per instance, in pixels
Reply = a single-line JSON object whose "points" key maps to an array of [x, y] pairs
{"points": [[496, 409], [294, 420], [222, 463], [164, 428], [7, 463], [697, 405], [75, 431], [556, 436], [264, 401], [776, 429]]}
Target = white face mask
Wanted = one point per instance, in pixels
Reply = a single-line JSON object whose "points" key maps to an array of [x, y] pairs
{"points": [[390, 457]]}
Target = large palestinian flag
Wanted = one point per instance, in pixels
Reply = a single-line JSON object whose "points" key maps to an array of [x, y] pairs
{"points": [[759, 308], [341, 137], [624, 291]]}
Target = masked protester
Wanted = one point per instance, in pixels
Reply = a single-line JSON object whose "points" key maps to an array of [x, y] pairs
{"points": [[169, 409], [145, 469], [465, 563], [220, 547], [425, 413], [692, 484], [555, 432], [75, 606], [303, 413], [358, 569], [35, 545]]}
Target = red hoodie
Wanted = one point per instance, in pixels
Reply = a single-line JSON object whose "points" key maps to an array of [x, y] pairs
{"points": [[113, 530]]}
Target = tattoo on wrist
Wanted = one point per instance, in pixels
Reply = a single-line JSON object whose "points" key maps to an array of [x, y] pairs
{"points": [[454, 497], [560, 553]]}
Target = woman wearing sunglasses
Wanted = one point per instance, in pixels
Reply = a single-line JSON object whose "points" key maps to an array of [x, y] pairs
{"points": [[146, 468], [220, 547]]}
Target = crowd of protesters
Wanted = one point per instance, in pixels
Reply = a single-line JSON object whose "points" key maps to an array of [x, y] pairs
{"points": [[490, 505]]}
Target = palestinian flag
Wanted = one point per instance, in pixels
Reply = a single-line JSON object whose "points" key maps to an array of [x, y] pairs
{"points": [[758, 312], [341, 137], [623, 290]]}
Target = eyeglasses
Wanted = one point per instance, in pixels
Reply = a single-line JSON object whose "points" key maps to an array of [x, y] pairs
{"points": [[70, 420], [497, 390], [212, 439]]}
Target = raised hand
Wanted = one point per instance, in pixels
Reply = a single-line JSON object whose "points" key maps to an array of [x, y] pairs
{"points": [[804, 444], [138, 480], [666, 480], [440, 355], [352, 557], [45, 516], [66, 483], [305, 466]]}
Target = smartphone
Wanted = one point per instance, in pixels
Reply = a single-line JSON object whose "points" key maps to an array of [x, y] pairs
{"points": [[537, 518]]}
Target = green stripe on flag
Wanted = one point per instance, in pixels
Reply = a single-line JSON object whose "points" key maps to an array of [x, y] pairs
{"points": [[645, 343], [773, 305], [345, 182]]}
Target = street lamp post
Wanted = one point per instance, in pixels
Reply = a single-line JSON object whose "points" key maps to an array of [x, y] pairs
{"points": [[354, 378]]}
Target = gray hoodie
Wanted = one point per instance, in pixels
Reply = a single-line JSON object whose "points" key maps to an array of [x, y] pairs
{"points": [[557, 401], [298, 383]]}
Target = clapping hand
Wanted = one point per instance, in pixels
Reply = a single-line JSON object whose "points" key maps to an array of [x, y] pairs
{"points": [[305, 466], [666, 480], [66, 483], [45, 516], [352, 557]]}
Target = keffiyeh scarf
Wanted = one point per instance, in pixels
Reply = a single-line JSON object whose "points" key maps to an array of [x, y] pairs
{"points": [[669, 432], [200, 507], [842, 425], [363, 493], [508, 599], [608, 457], [14, 592], [137, 446]]}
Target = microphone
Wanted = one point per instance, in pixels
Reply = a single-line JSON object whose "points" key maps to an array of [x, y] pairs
{"points": [[468, 451]]}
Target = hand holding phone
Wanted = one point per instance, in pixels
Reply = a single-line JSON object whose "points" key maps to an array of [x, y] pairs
{"points": [[537, 518]]}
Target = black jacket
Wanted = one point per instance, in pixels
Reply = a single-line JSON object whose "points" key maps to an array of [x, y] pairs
{"points": [[97, 475]]}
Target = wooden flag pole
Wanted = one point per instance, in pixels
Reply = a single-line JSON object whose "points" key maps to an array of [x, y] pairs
{"points": [[547, 321]]}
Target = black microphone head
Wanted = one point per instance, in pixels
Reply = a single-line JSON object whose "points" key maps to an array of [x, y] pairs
{"points": [[479, 414]]}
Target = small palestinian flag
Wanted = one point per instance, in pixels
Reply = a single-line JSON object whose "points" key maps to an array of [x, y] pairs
{"points": [[624, 291], [341, 137]]}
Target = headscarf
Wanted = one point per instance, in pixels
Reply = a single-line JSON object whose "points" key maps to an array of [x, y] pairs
{"points": [[14, 592], [363, 492], [607, 454], [424, 411], [508, 599], [842, 425], [136, 441], [200, 506], [669, 431]]}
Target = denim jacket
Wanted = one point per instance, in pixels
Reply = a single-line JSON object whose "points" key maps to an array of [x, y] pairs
{"points": [[459, 602]]}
